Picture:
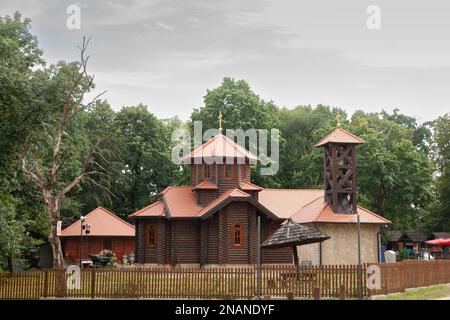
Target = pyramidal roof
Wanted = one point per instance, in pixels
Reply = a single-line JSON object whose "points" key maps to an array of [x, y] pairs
{"points": [[103, 223], [219, 147], [340, 135]]}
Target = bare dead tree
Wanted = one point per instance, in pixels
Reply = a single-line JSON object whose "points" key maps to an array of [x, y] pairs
{"points": [[45, 177]]}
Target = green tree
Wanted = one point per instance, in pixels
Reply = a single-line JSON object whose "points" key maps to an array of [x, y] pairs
{"points": [[441, 154], [146, 163], [394, 173]]}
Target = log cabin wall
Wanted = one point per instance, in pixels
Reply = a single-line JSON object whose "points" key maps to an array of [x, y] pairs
{"points": [[205, 197], [226, 184], [146, 254], [186, 241], [212, 239], [237, 213]]}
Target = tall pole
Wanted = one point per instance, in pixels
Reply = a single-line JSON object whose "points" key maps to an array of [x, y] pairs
{"points": [[81, 243], [258, 259], [358, 226]]}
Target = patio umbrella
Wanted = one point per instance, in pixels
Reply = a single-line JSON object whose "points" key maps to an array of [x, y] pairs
{"points": [[439, 242], [292, 234]]}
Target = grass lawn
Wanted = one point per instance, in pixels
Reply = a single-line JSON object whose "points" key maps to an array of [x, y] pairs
{"points": [[428, 293]]}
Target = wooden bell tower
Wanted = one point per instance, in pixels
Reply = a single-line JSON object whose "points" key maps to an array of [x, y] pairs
{"points": [[340, 170]]}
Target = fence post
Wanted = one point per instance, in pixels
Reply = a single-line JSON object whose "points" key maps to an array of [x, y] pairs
{"points": [[316, 293], [290, 296], [93, 283], [342, 292], [46, 283]]}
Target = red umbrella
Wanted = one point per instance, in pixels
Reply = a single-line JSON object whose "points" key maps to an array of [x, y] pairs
{"points": [[439, 242]]}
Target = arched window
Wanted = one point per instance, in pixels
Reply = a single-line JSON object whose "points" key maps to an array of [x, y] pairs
{"points": [[237, 235], [151, 235]]}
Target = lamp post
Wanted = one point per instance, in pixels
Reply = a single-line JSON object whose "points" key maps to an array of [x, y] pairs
{"points": [[82, 219]]}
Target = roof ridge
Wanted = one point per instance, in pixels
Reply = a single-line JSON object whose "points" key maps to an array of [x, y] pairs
{"points": [[115, 216], [103, 209], [237, 145]]}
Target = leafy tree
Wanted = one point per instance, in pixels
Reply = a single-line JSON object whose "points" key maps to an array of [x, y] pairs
{"points": [[441, 155], [12, 235], [51, 159], [240, 106], [146, 163], [394, 175]]}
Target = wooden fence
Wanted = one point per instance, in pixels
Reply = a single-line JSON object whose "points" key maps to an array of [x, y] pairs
{"points": [[396, 277], [189, 283]]}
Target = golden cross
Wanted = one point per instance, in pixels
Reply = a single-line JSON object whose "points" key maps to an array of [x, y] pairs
{"points": [[338, 119], [220, 121]]}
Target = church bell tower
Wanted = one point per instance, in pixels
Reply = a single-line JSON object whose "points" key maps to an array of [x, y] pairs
{"points": [[340, 170]]}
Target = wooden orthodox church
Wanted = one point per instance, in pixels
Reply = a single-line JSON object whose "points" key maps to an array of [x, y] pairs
{"points": [[213, 221]]}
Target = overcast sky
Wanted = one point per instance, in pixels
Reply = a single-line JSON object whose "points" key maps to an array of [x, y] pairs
{"points": [[167, 53]]}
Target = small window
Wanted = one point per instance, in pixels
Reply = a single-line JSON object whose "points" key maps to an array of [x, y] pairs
{"points": [[207, 171], [228, 171], [236, 235], [151, 235]]}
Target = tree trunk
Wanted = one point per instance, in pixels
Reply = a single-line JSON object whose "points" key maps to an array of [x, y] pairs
{"points": [[55, 243], [10, 264]]}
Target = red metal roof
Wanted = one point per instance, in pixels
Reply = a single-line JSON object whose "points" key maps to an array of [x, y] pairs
{"points": [[180, 202], [302, 205], [103, 223], [285, 202], [219, 147], [248, 186], [340, 135], [319, 211], [206, 185], [155, 209]]}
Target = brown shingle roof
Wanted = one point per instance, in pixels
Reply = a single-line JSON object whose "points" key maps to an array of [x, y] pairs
{"points": [[103, 223], [292, 234], [340, 135]]}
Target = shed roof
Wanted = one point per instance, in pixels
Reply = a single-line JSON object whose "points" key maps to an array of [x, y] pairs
{"points": [[395, 236], [103, 223], [219, 147], [292, 234], [439, 235], [413, 236], [340, 135]]}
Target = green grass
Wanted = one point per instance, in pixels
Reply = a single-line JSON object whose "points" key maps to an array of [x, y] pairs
{"points": [[428, 293]]}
